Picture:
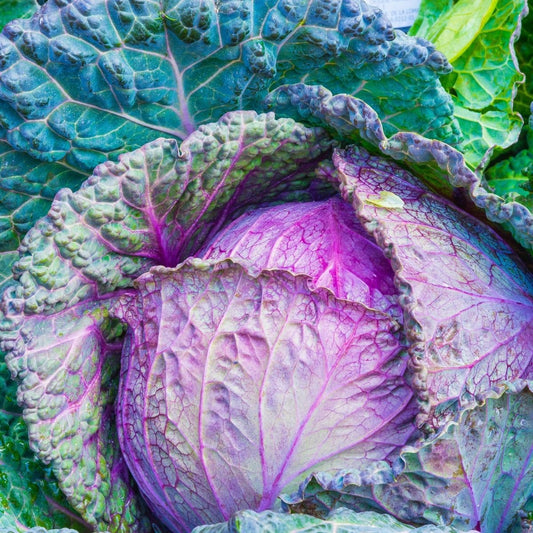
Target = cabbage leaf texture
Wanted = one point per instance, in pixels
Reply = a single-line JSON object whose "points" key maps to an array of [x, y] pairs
{"points": [[250, 380], [89, 250], [251, 287], [476, 473], [478, 38], [84, 81], [345, 262], [439, 165], [28, 492], [90, 268], [468, 302], [343, 520], [512, 177]]}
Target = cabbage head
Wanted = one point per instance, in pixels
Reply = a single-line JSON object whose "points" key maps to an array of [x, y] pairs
{"points": [[299, 308]]}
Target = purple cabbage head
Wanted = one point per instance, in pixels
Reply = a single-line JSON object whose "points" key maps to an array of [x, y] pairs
{"points": [[291, 310], [275, 354]]}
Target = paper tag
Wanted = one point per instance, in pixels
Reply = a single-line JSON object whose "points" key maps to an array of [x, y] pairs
{"points": [[402, 13]]}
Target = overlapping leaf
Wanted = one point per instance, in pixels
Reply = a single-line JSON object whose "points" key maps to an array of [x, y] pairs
{"points": [[81, 82], [477, 473], [440, 166], [245, 381], [478, 38], [279, 237], [468, 299], [28, 493], [69, 410], [153, 206]]}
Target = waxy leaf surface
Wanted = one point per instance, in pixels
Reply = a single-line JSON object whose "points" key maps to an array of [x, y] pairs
{"points": [[82, 82], [477, 37], [323, 240], [439, 165], [476, 473], [342, 520]]}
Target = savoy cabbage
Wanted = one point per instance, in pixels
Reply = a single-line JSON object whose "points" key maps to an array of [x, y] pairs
{"points": [[279, 292]]}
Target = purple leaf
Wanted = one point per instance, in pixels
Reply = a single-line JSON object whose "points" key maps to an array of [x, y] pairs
{"points": [[237, 384], [323, 240], [476, 473], [151, 207], [467, 297], [71, 367]]}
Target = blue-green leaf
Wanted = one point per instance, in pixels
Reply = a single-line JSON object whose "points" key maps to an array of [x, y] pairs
{"points": [[477, 37], [82, 82], [341, 520]]}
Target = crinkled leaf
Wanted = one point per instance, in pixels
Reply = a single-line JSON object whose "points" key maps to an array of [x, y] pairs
{"points": [[512, 177], [477, 36], [341, 520], [82, 82], [524, 55], [477, 473], [487, 458], [28, 492], [394, 83], [159, 204], [237, 384], [153, 206], [342, 257], [71, 362], [438, 164], [27, 187], [468, 299]]}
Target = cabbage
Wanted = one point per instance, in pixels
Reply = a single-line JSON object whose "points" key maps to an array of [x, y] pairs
{"points": [[301, 308], [242, 372]]}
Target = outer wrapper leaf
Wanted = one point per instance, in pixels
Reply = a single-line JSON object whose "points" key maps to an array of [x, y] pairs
{"points": [[149, 208], [237, 384], [82, 82], [68, 399], [343, 520], [475, 473], [478, 38], [27, 188], [440, 166], [28, 492], [468, 300]]}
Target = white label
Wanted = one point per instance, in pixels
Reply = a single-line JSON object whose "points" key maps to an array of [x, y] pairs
{"points": [[402, 13]]}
